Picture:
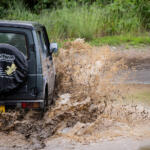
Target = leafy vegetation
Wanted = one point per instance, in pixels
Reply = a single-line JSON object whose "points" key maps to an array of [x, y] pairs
{"points": [[122, 39], [93, 20]]}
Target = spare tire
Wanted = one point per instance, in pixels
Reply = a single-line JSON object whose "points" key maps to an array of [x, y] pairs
{"points": [[13, 68]]}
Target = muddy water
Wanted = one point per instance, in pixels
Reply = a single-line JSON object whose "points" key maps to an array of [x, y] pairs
{"points": [[89, 106]]}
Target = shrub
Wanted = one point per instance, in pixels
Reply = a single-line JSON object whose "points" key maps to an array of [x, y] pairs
{"points": [[89, 21]]}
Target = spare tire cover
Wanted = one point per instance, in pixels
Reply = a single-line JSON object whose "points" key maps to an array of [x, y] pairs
{"points": [[13, 68]]}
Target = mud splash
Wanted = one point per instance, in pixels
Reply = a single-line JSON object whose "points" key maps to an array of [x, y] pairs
{"points": [[89, 104], [93, 101], [88, 72]]}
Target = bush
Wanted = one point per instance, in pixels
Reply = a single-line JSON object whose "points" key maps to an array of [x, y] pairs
{"points": [[4, 5], [89, 21], [18, 11], [143, 7], [120, 17]]}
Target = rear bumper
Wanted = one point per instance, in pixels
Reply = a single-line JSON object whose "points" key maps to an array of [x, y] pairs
{"points": [[19, 102]]}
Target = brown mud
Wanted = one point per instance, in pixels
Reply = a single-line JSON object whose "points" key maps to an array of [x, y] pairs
{"points": [[89, 104]]}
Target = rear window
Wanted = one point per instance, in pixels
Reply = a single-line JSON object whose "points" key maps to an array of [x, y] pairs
{"points": [[14, 39]]}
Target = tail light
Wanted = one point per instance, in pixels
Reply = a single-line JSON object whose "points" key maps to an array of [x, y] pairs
{"points": [[30, 105]]}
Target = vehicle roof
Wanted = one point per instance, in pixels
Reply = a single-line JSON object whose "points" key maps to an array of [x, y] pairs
{"points": [[19, 24]]}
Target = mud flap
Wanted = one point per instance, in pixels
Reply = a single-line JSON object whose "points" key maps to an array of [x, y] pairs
{"points": [[2, 109]]}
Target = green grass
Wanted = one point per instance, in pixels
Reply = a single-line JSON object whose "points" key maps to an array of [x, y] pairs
{"points": [[138, 94], [87, 22], [122, 39], [113, 24], [140, 97]]}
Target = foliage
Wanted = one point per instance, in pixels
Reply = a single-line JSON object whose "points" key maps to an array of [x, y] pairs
{"points": [[89, 19], [143, 7], [128, 39], [3, 6]]}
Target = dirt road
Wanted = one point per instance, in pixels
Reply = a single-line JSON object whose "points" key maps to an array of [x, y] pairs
{"points": [[118, 144], [91, 112]]}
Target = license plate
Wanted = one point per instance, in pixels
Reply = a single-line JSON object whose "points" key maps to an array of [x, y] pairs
{"points": [[2, 109]]}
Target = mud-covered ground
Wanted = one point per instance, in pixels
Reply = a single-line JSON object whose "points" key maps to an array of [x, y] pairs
{"points": [[101, 102]]}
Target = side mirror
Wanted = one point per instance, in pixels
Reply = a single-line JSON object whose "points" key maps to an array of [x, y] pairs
{"points": [[53, 48]]}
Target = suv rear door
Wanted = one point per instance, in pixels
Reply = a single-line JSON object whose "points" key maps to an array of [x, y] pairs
{"points": [[27, 91]]}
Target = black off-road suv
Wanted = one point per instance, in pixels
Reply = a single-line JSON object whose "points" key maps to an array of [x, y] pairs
{"points": [[27, 73]]}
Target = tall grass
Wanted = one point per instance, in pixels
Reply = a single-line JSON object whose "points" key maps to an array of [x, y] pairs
{"points": [[84, 21]]}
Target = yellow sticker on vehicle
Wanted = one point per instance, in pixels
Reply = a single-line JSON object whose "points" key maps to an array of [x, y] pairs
{"points": [[2, 109], [10, 69]]}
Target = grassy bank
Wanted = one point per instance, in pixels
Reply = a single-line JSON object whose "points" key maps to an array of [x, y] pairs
{"points": [[112, 24], [138, 93], [129, 39]]}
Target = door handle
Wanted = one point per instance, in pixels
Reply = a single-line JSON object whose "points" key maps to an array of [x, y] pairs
{"points": [[48, 66]]}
